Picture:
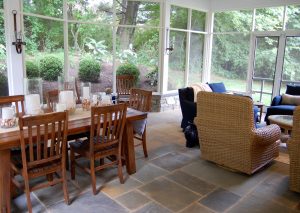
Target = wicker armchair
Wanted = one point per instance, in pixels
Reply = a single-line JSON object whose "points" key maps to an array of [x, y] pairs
{"points": [[294, 152], [228, 136]]}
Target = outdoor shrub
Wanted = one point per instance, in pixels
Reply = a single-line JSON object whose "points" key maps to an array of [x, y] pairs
{"points": [[153, 76], [129, 69], [89, 69], [50, 68], [3, 85], [32, 70]]}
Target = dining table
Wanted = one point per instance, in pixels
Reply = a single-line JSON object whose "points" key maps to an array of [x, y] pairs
{"points": [[79, 122]]}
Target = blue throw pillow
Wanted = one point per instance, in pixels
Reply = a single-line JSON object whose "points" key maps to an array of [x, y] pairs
{"points": [[292, 90], [218, 87]]}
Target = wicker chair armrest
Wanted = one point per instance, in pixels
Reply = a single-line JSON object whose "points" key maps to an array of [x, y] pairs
{"points": [[267, 135]]}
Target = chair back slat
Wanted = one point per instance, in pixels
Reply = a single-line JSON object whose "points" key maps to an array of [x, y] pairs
{"points": [[124, 84], [107, 124], [140, 100], [16, 100], [40, 129]]}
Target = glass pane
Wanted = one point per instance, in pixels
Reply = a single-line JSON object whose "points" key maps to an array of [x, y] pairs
{"points": [[44, 50], [293, 17], [233, 21], [264, 68], [177, 61], [3, 68], [138, 13], [1, 4], [198, 20], [91, 46], [179, 17], [140, 47], [230, 61], [196, 58], [269, 19], [90, 10], [291, 71], [52, 8]]}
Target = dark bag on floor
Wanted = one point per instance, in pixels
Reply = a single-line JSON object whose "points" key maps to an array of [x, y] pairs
{"points": [[191, 135]]}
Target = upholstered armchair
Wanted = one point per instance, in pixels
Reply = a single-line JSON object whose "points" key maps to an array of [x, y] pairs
{"points": [[228, 135], [294, 152], [279, 106]]}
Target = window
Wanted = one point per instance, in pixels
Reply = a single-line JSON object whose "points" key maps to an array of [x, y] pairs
{"points": [[230, 60], [179, 17], [53, 8], [3, 67]]}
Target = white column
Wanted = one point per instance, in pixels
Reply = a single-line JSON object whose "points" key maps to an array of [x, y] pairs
{"points": [[164, 66], [208, 47], [66, 40], [15, 71], [188, 47]]}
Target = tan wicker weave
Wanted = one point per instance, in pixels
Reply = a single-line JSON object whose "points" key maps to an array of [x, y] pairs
{"points": [[294, 152], [228, 136]]}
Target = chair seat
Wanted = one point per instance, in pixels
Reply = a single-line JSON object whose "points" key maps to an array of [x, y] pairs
{"points": [[82, 147]]}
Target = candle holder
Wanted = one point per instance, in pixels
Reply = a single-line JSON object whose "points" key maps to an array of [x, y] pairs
{"points": [[33, 90], [8, 117], [66, 87], [86, 95]]}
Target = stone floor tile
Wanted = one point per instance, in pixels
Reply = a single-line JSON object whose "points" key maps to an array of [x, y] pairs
{"points": [[148, 173], [196, 208], [252, 204], [277, 189], [172, 161], [19, 204], [133, 200], [220, 200], [115, 188], [88, 202], [237, 183], [153, 208], [191, 182], [169, 194]]}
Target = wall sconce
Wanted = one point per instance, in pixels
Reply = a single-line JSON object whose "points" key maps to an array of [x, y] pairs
{"points": [[170, 46], [18, 35]]}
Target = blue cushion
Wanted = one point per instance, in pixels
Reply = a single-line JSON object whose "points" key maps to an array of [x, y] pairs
{"points": [[280, 109], [292, 90], [217, 87]]}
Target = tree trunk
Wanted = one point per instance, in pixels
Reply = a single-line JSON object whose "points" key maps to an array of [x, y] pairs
{"points": [[129, 17]]}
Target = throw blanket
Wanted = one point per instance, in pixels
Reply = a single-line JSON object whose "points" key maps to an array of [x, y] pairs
{"points": [[200, 87]]}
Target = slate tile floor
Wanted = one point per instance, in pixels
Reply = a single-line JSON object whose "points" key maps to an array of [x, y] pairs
{"points": [[172, 179]]}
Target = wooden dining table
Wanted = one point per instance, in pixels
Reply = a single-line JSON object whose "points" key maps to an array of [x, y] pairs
{"points": [[79, 122]]}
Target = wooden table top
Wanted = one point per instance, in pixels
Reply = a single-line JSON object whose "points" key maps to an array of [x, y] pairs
{"points": [[284, 121], [79, 122]]}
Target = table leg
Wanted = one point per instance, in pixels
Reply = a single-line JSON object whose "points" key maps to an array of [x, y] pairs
{"points": [[129, 148], [5, 180], [260, 113]]}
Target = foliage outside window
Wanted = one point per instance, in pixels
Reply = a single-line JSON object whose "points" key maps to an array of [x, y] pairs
{"points": [[198, 20], [269, 19], [233, 21], [179, 17], [293, 17], [52, 8]]}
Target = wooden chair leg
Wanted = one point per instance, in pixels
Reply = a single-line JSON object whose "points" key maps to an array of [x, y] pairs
{"points": [[93, 175], [65, 187], [27, 192], [67, 158], [144, 142], [72, 156], [120, 170]]}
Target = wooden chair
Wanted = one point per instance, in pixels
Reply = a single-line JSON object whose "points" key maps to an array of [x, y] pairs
{"points": [[51, 98], [124, 84], [107, 124], [141, 100], [16, 100], [43, 152]]}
